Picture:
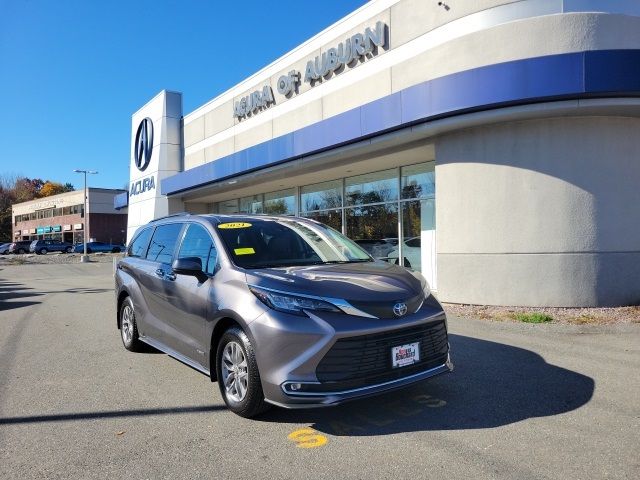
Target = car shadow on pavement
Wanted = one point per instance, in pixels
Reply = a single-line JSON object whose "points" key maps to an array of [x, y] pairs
{"points": [[12, 290], [142, 412], [493, 384]]}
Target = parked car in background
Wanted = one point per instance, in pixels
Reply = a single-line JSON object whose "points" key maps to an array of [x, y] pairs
{"points": [[42, 247], [378, 248], [20, 247], [94, 247], [410, 251], [4, 248]]}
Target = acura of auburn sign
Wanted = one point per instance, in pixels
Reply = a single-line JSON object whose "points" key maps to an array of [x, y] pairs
{"points": [[142, 185], [346, 54]]}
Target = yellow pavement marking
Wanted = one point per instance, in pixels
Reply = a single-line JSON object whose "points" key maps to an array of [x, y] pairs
{"points": [[307, 438]]}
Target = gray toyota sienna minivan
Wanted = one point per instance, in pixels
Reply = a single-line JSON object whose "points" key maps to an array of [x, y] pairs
{"points": [[279, 310]]}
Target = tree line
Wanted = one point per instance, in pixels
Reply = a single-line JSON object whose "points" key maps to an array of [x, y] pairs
{"points": [[18, 189]]}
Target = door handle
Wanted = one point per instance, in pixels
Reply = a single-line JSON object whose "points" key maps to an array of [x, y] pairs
{"points": [[160, 272]]}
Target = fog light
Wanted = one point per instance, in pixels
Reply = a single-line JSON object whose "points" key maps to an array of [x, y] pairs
{"points": [[295, 386]]}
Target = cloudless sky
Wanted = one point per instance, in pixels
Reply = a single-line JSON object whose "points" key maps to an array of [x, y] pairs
{"points": [[73, 72]]}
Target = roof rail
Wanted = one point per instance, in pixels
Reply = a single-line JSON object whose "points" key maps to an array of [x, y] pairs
{"points": [[180, 214]]}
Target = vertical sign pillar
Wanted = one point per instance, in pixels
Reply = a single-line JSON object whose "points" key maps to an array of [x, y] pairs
{"points": [[156, 153]]}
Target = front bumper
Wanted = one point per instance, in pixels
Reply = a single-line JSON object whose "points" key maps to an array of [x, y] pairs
{"points": [[290, 350], [328, 399]]}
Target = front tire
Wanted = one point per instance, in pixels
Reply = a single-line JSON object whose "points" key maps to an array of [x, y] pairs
{"points": [[43, 251], [238, 376], [129, 327], [68, 250]]}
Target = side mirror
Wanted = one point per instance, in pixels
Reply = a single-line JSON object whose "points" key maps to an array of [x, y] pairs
{"points": [[189, 266]]}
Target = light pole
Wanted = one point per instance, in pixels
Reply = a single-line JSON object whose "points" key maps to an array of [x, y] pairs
{"points": [[85, 258]]}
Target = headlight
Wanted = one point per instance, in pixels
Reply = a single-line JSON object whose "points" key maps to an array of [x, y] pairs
{"points": [[291, 303]]}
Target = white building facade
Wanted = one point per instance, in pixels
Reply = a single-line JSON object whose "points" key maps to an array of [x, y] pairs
{"points": [[493, 145]]}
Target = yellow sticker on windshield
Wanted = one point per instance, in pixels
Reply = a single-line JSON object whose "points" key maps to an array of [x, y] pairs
{"points": [[244, 251], [234, 225]]}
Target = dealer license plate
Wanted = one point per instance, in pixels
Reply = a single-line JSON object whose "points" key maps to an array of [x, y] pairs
{"points": [[404, 355]]}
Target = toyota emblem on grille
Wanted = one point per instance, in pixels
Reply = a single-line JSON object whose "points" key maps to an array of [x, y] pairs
{"points": [[143, 144], [399, 309]]}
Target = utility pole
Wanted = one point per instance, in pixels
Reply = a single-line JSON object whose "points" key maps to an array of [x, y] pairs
{"points": [[85, 258]]}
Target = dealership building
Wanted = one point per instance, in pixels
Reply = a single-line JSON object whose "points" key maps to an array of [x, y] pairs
{"points": [[62, 217], [493, 145]]}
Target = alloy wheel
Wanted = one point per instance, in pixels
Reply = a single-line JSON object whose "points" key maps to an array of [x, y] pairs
{"points": [[235, 374], [127, 324]]}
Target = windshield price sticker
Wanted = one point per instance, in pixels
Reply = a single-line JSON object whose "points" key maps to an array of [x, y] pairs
{"points": [[234, 225], [244, 251], [405, 355]]}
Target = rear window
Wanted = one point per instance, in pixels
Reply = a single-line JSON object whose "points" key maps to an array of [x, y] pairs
{"points": [[138, 247], [163, 243]]}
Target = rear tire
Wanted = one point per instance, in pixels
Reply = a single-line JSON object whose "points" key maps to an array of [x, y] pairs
{"points": [[238, 376], [21, 251], [129, 327], [42, 251], [68, 250]]}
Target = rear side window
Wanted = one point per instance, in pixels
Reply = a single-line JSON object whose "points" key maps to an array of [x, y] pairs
{"points": [[138, 247], [198, 243], [163, 243]]}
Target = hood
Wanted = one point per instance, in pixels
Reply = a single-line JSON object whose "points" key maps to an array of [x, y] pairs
{"points": [[355, 282]]}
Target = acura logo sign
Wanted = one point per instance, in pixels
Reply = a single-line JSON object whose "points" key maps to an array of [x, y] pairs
{"points": [[399, 309], [144, 144]]}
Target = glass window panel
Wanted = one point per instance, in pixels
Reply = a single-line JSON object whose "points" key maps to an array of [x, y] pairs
{"points": [[332, 218], [251, 204], [230, 206], [374, 187], [138, 247], [198, 243], [321, 196], [374, 228], [419, 181], [419, 238], [163, 243], [282, 202]]}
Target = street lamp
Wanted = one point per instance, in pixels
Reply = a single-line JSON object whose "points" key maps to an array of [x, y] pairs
{"points": [[85, 258]]}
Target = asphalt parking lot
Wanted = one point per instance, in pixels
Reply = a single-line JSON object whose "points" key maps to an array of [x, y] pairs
{"points": [[525, 401]]}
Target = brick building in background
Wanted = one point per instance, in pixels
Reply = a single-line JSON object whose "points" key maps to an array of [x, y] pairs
{"points": [[62, 217]]}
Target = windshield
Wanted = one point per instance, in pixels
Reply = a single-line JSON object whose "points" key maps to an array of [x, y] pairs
{"points": [[272, 243]]}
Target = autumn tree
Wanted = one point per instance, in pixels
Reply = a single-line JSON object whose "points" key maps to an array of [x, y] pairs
{"points": [[7, 198], [27, 189], [54, 188]]}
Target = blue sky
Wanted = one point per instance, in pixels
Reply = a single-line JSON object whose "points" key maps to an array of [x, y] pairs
{"points": [[73, 72]]}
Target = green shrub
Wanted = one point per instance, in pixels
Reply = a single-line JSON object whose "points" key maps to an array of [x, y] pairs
{"points": [[533, 317]]}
